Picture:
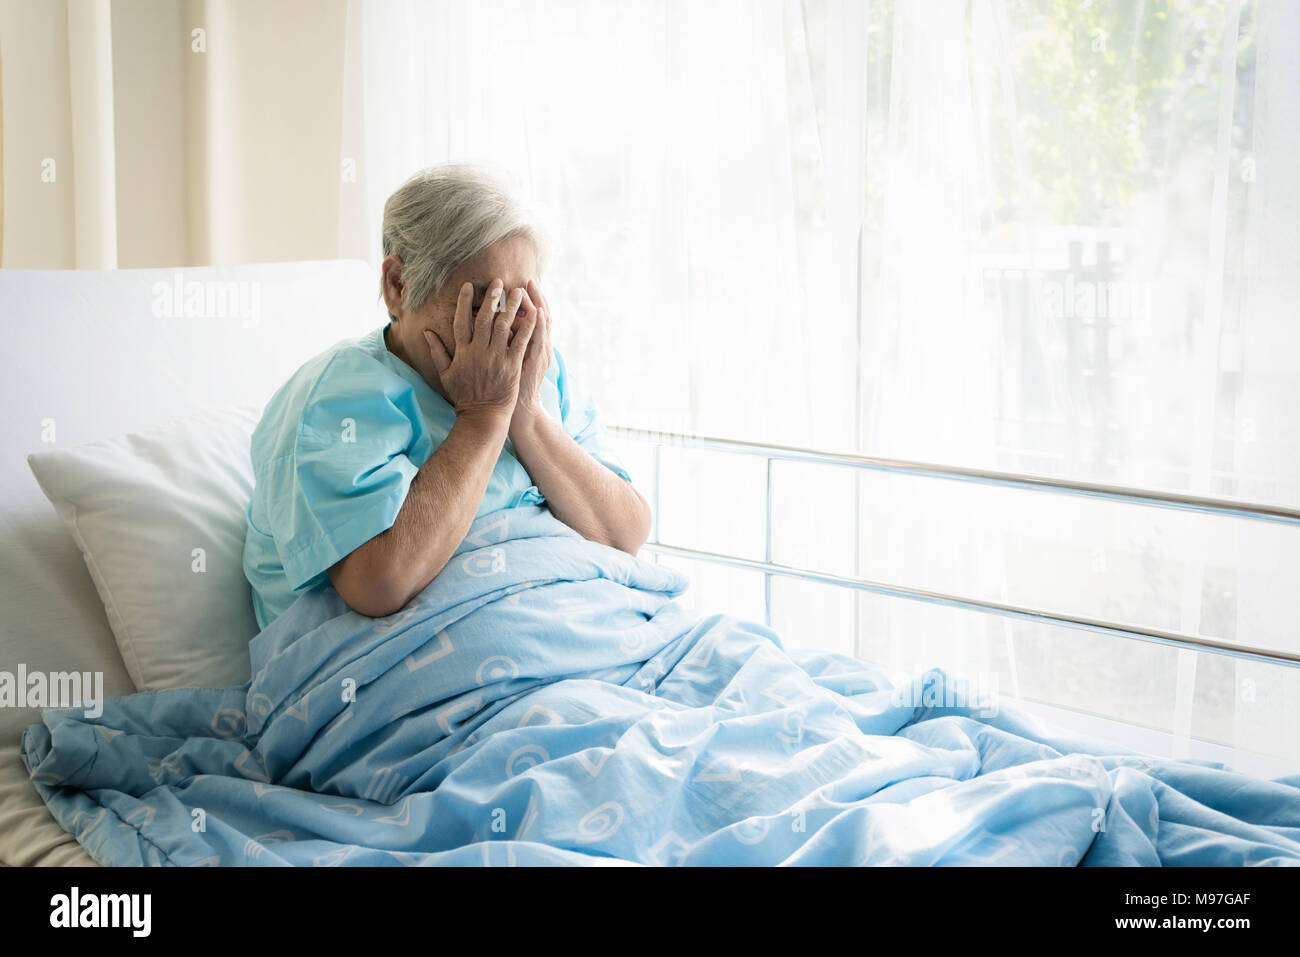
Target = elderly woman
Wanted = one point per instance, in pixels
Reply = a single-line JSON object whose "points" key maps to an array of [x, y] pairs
{"points": [[374, 459]]}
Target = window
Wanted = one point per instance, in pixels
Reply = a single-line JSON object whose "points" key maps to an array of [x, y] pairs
{"points": [[1024, 235]]}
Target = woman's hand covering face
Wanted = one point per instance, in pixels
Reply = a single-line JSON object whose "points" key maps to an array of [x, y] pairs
{"points": [[537, 358], [484, 371]]}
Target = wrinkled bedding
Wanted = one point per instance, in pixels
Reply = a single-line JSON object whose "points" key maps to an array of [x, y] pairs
{"points": [[547, 700]]}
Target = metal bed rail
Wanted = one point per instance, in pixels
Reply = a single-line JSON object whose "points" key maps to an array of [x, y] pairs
{"points": [[771, 453]]}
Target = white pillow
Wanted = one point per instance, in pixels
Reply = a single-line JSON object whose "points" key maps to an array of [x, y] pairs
{"points": [[159, 517]]}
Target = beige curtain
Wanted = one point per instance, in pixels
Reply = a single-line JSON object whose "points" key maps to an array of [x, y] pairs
{"points": [[2, 166], [140, 134]]}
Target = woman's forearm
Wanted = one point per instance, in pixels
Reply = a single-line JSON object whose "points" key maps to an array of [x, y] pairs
{"points": [[386, 572], [581, 492]]}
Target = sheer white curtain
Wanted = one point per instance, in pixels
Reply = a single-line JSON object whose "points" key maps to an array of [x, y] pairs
{"points": [[674, 153], [1022, 235], [1081, 272]]}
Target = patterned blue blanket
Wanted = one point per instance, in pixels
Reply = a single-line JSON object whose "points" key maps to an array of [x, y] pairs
{"points": [[545, 700]]}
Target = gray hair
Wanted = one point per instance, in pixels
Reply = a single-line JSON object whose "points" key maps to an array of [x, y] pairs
{"points": [[444, 215]]}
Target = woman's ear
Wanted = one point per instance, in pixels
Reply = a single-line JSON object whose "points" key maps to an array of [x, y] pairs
{"points": [[391, 280]]}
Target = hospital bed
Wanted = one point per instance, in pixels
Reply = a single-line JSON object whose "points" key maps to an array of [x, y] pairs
{"points": [[90, 355]]}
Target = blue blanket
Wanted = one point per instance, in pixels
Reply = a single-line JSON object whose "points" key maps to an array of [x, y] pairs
{"points": [[546, 700]]}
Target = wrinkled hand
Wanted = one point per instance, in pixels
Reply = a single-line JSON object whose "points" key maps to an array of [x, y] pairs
{"points": [[485, 373], [537, 361]]}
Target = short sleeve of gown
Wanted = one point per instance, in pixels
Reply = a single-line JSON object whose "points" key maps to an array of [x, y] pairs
{"points": [[350, 469]]}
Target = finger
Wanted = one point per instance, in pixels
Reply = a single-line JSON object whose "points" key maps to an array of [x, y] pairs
{"points": [[483, 322], [525, 304], [461, 324], [441, 360], [519, 329], [538, 344], [523, 337], [543, 337], [501, 329], [535, 290]]}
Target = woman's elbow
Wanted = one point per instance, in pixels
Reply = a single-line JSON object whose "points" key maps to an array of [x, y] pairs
{"points": [[366, 590], [638, 532], [365, 599], [372, 606]]}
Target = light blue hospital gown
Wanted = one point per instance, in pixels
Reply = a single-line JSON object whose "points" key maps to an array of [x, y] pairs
{"points": [[336, 450]]}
